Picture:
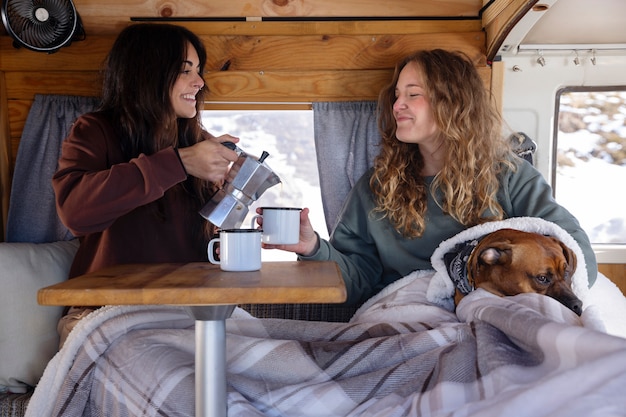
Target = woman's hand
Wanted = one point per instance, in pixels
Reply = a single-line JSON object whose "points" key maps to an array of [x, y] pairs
{"points": [[209, 159], [309, 241]]}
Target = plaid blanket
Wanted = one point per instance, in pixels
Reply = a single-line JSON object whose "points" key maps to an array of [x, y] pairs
{"points": [[401, 355]]}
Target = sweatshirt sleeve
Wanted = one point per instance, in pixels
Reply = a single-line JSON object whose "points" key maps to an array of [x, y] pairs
{"points": [[527, 193], [354, 248], [94, 185]]}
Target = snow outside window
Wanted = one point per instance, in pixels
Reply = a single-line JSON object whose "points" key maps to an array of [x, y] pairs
{"points": [[287, 135], [591, 161]]}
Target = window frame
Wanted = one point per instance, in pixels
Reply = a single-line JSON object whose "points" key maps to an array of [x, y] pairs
{"points": [[318, 220]]}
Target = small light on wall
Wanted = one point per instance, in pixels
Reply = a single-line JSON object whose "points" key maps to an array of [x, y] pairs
{"points": [[576, 59], [593, 57]]}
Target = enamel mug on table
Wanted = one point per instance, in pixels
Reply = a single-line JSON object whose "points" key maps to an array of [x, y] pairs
{"points": [[281, 225], [240, 250]]}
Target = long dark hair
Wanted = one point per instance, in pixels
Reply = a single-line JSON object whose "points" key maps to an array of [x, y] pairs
{"points": [[139, 72], [138, 76]]}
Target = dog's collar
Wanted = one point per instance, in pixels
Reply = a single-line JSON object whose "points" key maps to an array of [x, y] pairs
{"points": [[456, 263]]}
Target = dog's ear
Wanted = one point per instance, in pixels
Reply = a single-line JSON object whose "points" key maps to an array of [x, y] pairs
{"points": [[570, 258], [491, 256]]}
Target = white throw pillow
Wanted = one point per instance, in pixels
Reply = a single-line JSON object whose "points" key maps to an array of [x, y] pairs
{"points": [[28, 335]]}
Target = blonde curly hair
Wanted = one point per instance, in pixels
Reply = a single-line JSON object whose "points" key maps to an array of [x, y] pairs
{"points": [[476, 152]]}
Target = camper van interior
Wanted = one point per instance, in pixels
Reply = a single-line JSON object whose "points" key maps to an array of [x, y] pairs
{"points": [[556, 71]]}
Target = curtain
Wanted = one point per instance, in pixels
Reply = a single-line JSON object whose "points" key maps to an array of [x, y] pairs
{"points": [[32, 215], [346, 142]]}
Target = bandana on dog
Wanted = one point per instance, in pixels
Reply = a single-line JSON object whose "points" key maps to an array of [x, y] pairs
{"points": [[456, 264]]}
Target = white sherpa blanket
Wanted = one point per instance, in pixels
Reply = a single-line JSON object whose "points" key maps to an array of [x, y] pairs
{"points": [[441, 289], [604, 305]]}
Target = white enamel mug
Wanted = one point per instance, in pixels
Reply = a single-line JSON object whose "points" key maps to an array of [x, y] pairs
{"points": [[240, 250], [281, 225]]}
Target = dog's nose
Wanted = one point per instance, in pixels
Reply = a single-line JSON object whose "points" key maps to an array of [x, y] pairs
{"points": [[566, 296], [576, 306]]}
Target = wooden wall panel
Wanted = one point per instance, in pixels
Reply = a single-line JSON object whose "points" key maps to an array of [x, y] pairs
{"points": [[225, 86], [244, 66], [500, 18], [337, 52], [6, 155], [278, 8], [616, 273], [296, 86], [497, 83], [24, 85], [303, 86], [244, 52], [333, 27], [290, 55], [233, 86], [18, 111], [111, 16], [17, 114]]}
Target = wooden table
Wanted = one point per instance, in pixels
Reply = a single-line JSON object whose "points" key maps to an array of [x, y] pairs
{"points": [[211, 295]]}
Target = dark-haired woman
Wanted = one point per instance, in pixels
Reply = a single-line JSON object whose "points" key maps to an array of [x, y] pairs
{"points": [[133, 175]]}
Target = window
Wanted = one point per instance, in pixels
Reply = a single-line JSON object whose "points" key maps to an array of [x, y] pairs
{"points": [[590, 159], [287, 135]]}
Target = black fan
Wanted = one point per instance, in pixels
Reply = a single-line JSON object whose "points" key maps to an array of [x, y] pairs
{"points": [[42, 25]]}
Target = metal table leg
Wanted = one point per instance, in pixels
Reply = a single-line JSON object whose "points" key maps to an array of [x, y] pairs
{"points": [[211, 359]]}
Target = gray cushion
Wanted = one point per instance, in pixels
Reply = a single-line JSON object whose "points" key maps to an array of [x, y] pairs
{"points": [[28, 335]]}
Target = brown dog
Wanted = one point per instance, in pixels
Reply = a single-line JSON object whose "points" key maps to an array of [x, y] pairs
{"points": [[509, 262]]}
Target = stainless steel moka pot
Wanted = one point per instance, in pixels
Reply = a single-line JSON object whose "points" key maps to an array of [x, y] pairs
{"points": [[247, 179]]}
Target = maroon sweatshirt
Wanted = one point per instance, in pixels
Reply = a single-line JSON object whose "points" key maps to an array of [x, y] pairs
{"points": [[124, 211]]}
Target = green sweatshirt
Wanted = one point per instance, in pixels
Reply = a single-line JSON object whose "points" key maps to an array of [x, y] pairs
{"points": [[372, 254]]}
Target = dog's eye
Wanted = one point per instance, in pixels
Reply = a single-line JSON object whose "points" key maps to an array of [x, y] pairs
{"points": [[543, 279]]}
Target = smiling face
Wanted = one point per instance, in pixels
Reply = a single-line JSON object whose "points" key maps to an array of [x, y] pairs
{"points": [[187, 85], [412, 111]]}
